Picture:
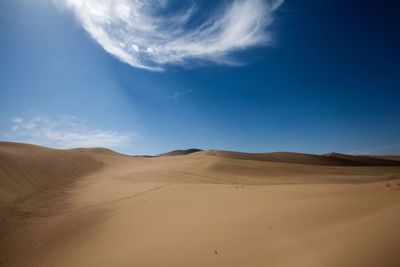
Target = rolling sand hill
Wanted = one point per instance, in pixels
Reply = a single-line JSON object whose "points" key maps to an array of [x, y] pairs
{"points": [[180, 152], [331, 159], [96, 207]]}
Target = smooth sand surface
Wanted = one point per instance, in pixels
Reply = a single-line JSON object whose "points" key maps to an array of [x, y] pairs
{"points": [[95, 207]]}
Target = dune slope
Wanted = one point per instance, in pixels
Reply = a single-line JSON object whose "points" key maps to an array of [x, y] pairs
{"points": [[95, 207], [28, 168]]}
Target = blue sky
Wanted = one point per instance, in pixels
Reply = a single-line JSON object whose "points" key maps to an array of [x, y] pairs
{"points": [[309, 76]]}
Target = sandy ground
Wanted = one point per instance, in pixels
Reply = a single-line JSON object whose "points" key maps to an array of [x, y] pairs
{"points": [[94, 207]]}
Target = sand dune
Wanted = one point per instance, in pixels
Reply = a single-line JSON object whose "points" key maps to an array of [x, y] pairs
{"points": [[390, 157], [181, 152], [96, 207], [26, 168], [332, 159]]}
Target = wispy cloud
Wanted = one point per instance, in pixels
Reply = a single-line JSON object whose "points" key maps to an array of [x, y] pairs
{"points": [[63, 132], [146, 34], [176, 95]]}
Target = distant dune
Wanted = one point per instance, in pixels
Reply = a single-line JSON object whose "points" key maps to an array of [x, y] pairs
{"points": [[181, 152], [96, 207], [397, 158], [332, 159], [98, 150]]}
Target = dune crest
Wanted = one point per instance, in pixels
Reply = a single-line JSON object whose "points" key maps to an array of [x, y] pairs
{"points": [[96, 207], [331, 159], [180, 152]]}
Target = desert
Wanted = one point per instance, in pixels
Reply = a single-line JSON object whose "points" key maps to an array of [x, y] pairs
{"points": [[96, 207], [199, 133]]}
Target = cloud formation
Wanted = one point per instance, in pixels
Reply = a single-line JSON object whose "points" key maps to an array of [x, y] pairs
{"points": [[179, 94], [63, 132], [147, 34]]}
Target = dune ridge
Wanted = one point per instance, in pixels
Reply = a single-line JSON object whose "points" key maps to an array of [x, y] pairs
{"points": [[96, 207], [331, 159], [180, 152]]}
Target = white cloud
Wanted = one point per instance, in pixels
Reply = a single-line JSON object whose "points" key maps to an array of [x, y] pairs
{"points": [[178, 94], [144, 33], [63, 132]]}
